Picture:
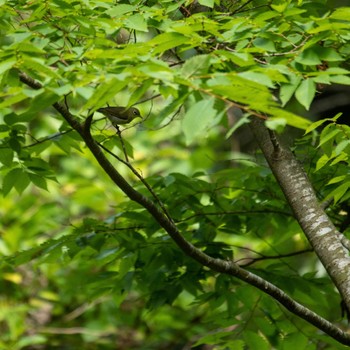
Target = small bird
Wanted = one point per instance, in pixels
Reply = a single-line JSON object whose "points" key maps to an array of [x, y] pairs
{"points": [[120, 115]]}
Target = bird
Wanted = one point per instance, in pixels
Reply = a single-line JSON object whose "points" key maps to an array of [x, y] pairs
{"points": [[120, 115]]}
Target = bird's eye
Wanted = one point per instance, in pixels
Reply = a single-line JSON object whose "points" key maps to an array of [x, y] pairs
{"points": [[136, 112]]}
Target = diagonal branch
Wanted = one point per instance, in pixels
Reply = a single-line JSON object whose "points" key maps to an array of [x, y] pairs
{"points": [[218, 265]]}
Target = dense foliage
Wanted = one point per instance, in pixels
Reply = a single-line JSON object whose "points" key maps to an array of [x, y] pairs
{"points": [[85, 266]]}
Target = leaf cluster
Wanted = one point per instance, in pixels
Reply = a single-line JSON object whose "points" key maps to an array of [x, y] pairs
{"points": [[83, 242]]}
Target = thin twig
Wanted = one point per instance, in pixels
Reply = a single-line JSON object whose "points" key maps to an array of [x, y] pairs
{"points": [[168, 122], [47, 138], [241, 7], [237, 212], [122, 143], [269, 257], [139, 176]]}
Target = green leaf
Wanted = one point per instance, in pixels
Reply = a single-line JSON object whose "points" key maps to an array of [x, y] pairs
{"points": [[15, 178], [240, 89], [127, 145], [158, 70], [22, 182], [305, 93], [288, 90], [341, 146], [32, 340], [309, 57], [6, 156], [265, 16], [126, 265], [342, 13], [258, 78], [119, 10], [265, 44], [242, 59], [171, 108], [15, 143], [214, 339], [38, 181], [291, 118], [255, 341], [340, 79], [315, 125], [322, 79], [328, 134], [339, 192], [336, 179], [295, 341], [241, 121], [166, 41], [139, 92], [18, 97], [39, 66], [277, 124], [209, 3], [136, 22], [46, 99], [37, 165], [280, 6], [329, 54], [337, 71], [198, 64], [197, 119], [343, 157], [328, 26], [322, 161], [104, 93], [7, 65]]}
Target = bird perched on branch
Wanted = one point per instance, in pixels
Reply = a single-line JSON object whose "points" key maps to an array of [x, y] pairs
{"points": [[120, 115]]}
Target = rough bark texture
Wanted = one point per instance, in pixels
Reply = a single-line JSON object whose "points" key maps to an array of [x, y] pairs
{"points": [[318, 228]]}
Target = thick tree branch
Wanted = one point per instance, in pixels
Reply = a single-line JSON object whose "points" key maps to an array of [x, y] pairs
{"points": [[318, 228], [218, 265]]}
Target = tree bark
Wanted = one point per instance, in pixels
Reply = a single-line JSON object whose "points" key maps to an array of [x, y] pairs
{"points": [[327, 241]]}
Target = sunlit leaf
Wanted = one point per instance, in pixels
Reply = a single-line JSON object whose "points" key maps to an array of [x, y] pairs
{"points": [[305, 93], [104, 93], [197, 119]]}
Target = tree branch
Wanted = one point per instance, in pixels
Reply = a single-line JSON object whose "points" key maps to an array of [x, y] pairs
{"points": [[318, 228], [218, 265]]}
